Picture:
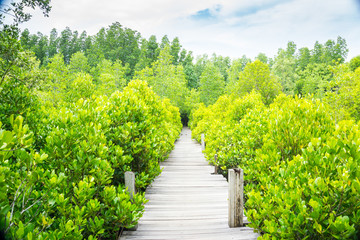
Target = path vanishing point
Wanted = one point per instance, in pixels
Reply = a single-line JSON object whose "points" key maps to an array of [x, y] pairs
{"points": [[187, 201]]}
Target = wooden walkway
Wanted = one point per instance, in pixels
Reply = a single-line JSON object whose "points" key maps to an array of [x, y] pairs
{"points": [[186, 201]]}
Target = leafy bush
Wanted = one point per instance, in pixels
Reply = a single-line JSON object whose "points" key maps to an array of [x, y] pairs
{"points": [[19, 78], [244, 139], [73, 188], [145, 127], [219, 123], [301, 174], [316, 195]]}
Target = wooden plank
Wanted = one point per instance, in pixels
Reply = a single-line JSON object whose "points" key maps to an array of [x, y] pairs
{"points": [[192, 236], [189, 182], [187, 201], [156, 226], [191, 207], [175, 231]]}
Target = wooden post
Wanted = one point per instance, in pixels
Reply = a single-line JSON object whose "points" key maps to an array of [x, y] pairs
{"points": [[130, 183], [202, 141], [236, 197], [215, 164]]}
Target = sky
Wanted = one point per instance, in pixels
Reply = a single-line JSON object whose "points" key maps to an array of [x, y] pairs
{"points": [[229, 27]]}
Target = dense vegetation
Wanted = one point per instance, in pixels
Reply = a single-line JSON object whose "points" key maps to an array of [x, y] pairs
{"points": [[75, 178], [67, 136], [77, 111], [300, 155], [167, 66]]}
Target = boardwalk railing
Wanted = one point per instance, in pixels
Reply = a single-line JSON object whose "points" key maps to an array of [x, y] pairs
{"points": [[236, 192]]}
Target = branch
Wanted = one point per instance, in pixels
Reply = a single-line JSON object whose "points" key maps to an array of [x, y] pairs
{"points": [[7, 12], [13, 205], [45, 194], [25, 203], [32, 217], [24, 210]]}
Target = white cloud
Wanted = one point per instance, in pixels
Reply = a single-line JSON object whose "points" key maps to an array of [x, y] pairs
{"points": [[241, 26]]}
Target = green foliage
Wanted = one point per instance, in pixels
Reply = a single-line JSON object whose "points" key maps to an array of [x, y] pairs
{"points": [[15, 9], [314, 79], [36, 43], [81, 87], [262, 58], [186, 59], [76, 177], [66, 48], [127, 50], [354, 63], [319, 199], [20, 77], [53, 192], [237, 66], [67, 83], [175, 48], [146, 134], [329, 53], [201, 119], [78, 63], [212, 84], [144, 61], [301, 174], [307, 71], [58, 80], [110, 76], [194, 71], [166, 79], [219, 122], [256, 76], [222, 63], [303, 58], [284, 67], [192, 101], [77, 129], [343, 93]]}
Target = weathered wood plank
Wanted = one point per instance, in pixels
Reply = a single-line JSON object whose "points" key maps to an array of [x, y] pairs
{"points": [[186, 201], [233, 236], [168, 232]]}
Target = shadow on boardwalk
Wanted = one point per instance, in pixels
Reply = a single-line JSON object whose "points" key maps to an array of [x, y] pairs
{"points": [[186, 201]]}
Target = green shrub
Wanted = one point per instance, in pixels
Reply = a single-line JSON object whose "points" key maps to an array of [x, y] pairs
{"points": [[73, 188], [145, 127], [219, 122], [244, 139], [316, 195], [301, 168]]}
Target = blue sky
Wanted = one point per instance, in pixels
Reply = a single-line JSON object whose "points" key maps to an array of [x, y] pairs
{"points": [[228, 27]]}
